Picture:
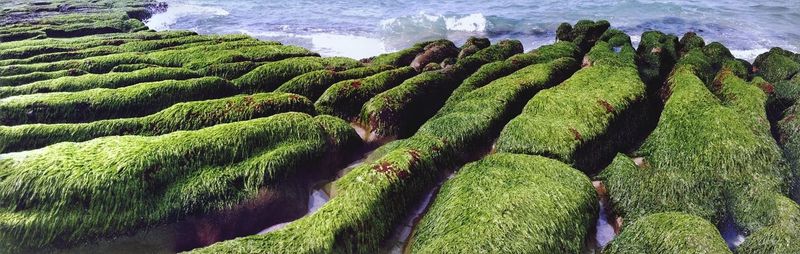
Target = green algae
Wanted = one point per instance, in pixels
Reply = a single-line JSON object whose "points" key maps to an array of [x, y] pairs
{"points": [[182, 116], [531, 192], [16, 80], [777, 64], [165, 178], [90, 81], [560, 121], [492, 71], [584, 33], [315, 83], [656, 55], [403, 57], [345, 98], [103, 103], [372, 198], [710, 156], [402, 109], [270, 76], [668, 233]]}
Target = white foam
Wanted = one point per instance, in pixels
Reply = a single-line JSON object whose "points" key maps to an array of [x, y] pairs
{"points": [[748, 54], [471, 23], [352, 46], [163, 21], [330, 44]]}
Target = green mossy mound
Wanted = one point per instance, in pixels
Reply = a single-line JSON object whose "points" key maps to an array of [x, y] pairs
{"points": [[472, 45], [584, 34], [72, 25], [371, 199], [22, 79], [777, 64], [402, 109], [367, 203], [656, 55], [492, 71], [474, 118], [782, 236], [404, 57], [546, 207], [182, 116], [668, 233], [314, 83], [561, 121], [229, 49], [710, 156], [70, 189], [270, 76], [690, 41], [91, 81], [345, 99], [102, 103]]}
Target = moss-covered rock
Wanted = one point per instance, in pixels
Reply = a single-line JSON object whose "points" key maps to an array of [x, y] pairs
{"points": [[90, 81], [584, 34], [690, 41], [575, 121], [777, 64], [434, 53], [182, 116], [655, 57], [668, 233], [495, 70], [531, 192], [21, 79], [402, 109], [403, 57], [269, 76], [710, 156], [369, 200], [103, 103], [345, 99], [314, 83], [472, 45], [71, 188]]}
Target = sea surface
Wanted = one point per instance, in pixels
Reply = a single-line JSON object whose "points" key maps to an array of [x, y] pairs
{"points": [[365, 28]]}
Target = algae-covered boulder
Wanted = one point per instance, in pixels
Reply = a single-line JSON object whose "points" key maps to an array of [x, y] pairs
{"points": [[472, 45], [90, 81], [710, 156], [182, 116], [406, 56], [584, 34], [509, 203], [402, 109], [777, 64], [345, 98], [103, 103], [368, 201], [434, 53], [491, 71], [668, 233], [314, 83], [70, 190], [270, 76], [656, 54], [573, 121]]}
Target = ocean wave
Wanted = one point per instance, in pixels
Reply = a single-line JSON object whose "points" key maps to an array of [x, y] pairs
{"points": [[475, 22], [175, 11]]}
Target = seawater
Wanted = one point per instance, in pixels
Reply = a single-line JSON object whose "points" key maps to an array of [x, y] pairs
{"points": [[365, 28]]}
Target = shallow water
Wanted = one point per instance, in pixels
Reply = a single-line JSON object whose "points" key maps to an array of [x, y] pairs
{"points": [[365, 28]]}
